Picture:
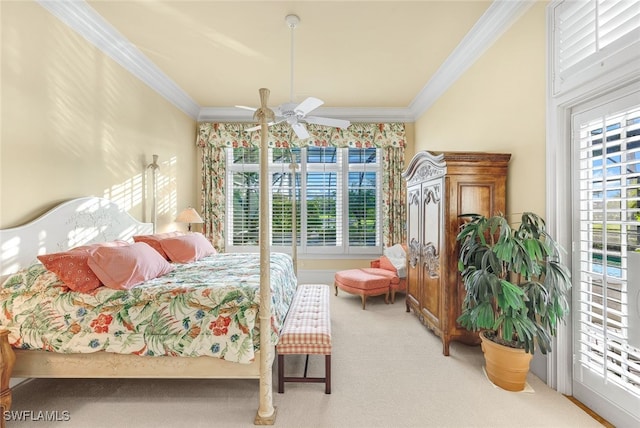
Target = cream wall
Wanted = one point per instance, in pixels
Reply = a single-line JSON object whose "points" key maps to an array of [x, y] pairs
{"points": [[498, 105], [75, 123]]}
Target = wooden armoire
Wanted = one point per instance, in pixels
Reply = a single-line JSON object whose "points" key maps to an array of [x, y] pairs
{"points": [[440, 188]]}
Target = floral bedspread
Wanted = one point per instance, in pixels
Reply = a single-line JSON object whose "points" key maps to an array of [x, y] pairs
{"points": [[209, 307]]}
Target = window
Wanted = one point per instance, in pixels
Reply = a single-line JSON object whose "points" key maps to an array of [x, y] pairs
{"points": [[590, 36], [594, 63], [607, 348], [337, 199]]}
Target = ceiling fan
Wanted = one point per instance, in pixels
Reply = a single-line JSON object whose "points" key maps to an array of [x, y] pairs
{"points": [[296, 114]]}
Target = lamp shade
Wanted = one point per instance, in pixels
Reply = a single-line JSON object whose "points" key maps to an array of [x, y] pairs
{"points": [[189, 215]]}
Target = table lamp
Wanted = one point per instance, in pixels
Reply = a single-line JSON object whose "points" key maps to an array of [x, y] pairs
{"points": [[189, 215]]}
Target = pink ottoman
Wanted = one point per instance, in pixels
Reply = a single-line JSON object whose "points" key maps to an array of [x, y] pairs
{"points": [[395, 283], [363, 282]]}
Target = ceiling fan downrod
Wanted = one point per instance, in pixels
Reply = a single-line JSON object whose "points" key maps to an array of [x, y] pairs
{"points": [[292, 22], [296, 114]]}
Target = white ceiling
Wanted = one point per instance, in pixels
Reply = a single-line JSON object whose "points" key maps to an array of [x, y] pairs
{"points": [[368, 60]]}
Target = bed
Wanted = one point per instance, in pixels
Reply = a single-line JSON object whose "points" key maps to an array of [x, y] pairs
{"points": [[97, 220], [189, 304]]}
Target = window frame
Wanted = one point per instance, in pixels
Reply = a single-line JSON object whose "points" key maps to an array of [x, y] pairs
{"points": [[613, 80], [589, 375], [342, 168]]}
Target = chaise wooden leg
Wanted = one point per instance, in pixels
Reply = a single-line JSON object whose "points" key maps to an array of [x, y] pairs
{"points": [[364, 301]]}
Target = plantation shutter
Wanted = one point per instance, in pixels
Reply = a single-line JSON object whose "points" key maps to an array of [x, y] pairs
{"points": [[337, 194], [243, 218], [364, 180], [284, 187], [588, 35], [606, 243], [323, 199]]}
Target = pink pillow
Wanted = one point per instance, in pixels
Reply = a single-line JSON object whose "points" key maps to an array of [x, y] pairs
{"points": [[121, 268], [72, 268], [154, 240], [187, 248]]}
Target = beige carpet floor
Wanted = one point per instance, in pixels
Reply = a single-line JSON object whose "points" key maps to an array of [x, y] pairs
{"points": [[388, 371]]}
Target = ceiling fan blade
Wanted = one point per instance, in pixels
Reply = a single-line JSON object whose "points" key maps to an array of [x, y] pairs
{"points": [[255, 128], [300, 130], [308, 105], [336, 123], [247, 108]]}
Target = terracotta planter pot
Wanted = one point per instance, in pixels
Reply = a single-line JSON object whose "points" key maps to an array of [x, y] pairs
{"points": [[506, 367]]}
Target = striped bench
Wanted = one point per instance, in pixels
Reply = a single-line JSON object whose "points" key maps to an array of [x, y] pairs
{"points": [[306, 330]]}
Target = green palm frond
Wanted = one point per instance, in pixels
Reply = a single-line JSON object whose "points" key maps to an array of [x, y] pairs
{"points": [[515, 284]]}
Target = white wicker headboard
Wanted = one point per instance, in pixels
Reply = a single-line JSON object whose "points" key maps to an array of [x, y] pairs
{"points": [[72, 223]]}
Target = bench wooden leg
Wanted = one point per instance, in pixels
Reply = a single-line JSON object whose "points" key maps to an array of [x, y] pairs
{"points": [[280, 373], [327, 374], [326, 379]]}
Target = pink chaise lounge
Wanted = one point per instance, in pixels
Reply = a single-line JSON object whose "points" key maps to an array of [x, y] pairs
{"points": [[379, 279]]}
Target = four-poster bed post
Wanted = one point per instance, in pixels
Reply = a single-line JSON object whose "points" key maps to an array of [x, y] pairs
{"points": [[266, 412], [153, 166], [294, 220]]}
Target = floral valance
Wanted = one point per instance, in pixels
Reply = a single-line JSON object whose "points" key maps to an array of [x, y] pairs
{"points": [[359, 135]]}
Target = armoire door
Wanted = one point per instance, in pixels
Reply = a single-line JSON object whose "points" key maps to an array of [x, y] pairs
{"points": [[414, 196], [475, 194], [431, 298]]}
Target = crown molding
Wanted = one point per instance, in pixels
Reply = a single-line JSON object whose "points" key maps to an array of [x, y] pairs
{"points": [[367, 114], [82, 18], [233, 114], [500, 15], [89, 24]]}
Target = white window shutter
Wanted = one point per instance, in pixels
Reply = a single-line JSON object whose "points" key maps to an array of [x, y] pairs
{"points": [[338, 192], [607, 144], [589, 37]]}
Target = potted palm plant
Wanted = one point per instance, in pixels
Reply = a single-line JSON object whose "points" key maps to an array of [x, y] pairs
{"points": [[516, 292]]}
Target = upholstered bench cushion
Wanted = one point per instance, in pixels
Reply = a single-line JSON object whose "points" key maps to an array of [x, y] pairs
{"points": [[307, 327]]}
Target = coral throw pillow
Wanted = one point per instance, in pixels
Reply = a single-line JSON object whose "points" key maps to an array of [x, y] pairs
{"points": [[154, 240], [187, 248], [122, 268], [386, 264], [72, 268]]}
